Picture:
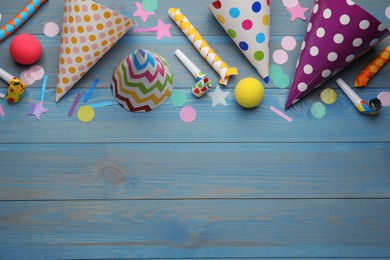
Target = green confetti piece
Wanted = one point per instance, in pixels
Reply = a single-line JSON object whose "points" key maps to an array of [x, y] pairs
{"points": [[178, 98], [318, 110], [149, 5]]}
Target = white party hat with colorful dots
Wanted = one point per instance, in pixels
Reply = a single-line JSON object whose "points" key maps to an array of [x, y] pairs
{"points": [[89, 30], [247, 22], [338, 33]]}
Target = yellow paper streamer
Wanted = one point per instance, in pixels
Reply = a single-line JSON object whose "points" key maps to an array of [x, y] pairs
{"points": [[223, 69]]}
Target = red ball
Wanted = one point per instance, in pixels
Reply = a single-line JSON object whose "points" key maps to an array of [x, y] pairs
{"points": [[25, 49]]}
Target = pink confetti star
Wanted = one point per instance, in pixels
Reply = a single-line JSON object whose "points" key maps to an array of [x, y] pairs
{"points": [[141, 12], [297, 12], [37, 109], [161, 29]]}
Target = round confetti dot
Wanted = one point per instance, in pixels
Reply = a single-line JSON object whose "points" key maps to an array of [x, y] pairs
{"points": [[256, 7], [302, 87], [345, 19], [243, 46], [51, 29], [387, 12], [280, 56], [247, 24], [290, 3], [187, 114], [260, 38], [384, 97], [280, 79], [85, 114], [288, 43], [26, 77], [232, 33], [149, 5], [338, 38], [36, 72], [314, 51], [328, 96], [178, 98], [234, 12], [318, 110], [259, 55], [308, 69], [332, 56]]}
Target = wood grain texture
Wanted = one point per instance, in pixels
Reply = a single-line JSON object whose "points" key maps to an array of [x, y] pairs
{"points": [[186, 171], [234, 184], [195, 228]]}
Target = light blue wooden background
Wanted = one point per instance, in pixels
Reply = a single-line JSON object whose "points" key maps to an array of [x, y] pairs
{"points": [[234, 184]]}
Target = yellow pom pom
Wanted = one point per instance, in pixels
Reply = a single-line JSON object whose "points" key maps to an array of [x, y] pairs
{"points": [[249, 92]]}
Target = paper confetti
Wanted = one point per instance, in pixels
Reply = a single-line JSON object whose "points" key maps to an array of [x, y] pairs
{"points": [[187, 114], [162, 29], [51, 29], [387, 12], [280, 56], [384, 97], [278, 77], [318, 110], [141, 12], [178, 98], [91, 89], [280, 113], [27, 78], [328, 96], [288, 43], [85, 114], [218, 96], [297, 12], [150, 5], [74, 104], [36, 72], [2, 113]]}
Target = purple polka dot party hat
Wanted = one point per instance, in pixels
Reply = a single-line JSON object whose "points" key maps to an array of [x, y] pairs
{"points": [[338, 32], [247, 22]]}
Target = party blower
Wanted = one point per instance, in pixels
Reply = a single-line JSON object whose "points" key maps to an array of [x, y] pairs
{"points": [[16, 87], [372, 108], [203, 83]]}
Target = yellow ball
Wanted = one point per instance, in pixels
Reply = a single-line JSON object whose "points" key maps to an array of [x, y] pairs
{"points": [[249, 92]]}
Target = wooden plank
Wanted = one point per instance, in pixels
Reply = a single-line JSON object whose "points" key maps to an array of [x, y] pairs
{"points": [[191, 171], [195, 228], [196, 11], [343, 123]]}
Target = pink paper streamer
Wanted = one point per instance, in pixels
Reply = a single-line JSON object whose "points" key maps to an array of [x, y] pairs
{"points": [[2, 113], [73, 107], [280, 113]]}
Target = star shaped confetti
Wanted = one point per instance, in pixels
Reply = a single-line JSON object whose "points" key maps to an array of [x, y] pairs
{"points": [[141, 12], [37, 110], [218, 96], [297, 12], [161, 29]]}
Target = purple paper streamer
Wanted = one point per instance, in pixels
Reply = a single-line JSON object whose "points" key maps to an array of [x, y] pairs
{"points": [[73, 107]]}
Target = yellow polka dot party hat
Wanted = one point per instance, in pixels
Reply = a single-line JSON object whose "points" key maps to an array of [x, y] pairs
{"points": [[89, 30]]}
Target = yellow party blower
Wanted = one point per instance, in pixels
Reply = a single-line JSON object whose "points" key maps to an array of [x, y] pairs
{"points": [[223, 69]]}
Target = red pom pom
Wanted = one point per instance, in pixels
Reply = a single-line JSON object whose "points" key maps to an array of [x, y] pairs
{"points": [[25, 49]]}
